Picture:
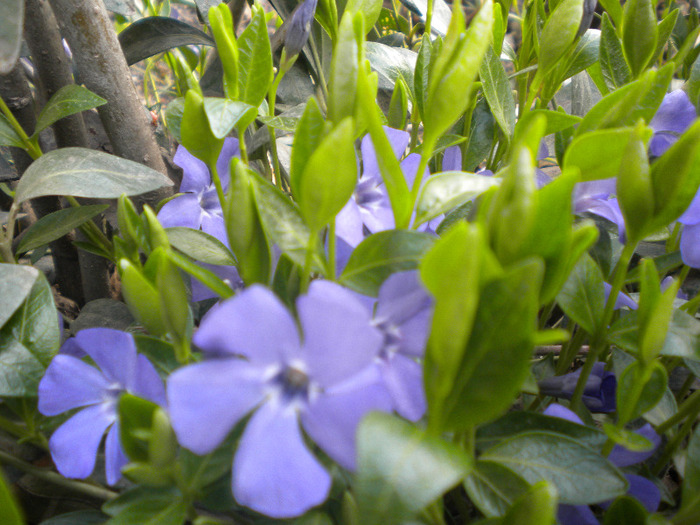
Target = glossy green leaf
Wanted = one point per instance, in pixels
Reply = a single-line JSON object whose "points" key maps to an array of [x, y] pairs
{"points": [[609, 146], [558, 34], [498, 92], [82, 172], [200, 246], [493, 488], [28, 340], [16, 282], [538, 506], [496, 360], [9, 510], [639, 389], [155, 34], [581, 475], [323, 192], [639, 33], [68, 100], [390, 64], [615, 70], [583, 297], [283, 223], [693, 87], [401, 469], [585, 54], [255, 61], [224, 115], [446, 190], [382, 254], [556, 120], [56, 225], [11, 25]]}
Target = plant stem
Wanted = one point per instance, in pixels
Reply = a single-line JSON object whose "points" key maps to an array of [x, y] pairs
{"points": [[690, 406], [29, 146]]}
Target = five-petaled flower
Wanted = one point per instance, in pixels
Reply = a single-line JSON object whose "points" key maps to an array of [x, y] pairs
{"points": [[71, 383], [322, 380]]}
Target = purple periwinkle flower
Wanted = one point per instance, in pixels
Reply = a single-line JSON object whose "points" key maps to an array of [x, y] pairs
{"points": [[640, 487], [596, 197], [403, 315], [673, 117], [70, 383], [322, 380], [599, 394], [690, 236], [199, 207], [299, 28]]}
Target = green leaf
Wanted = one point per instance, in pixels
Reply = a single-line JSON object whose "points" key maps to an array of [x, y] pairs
{"points": [[691, 480], [283, 223], [493, 487], [200, 246], [496, 360], [173, 117], [155, 34], [380, 255], [56, 225], [82, 172], [626, 510], [664, 31], [135, 418], [195, 130], [28, 341], [321, 196], [255, 61], [78, 517], [585, 55], [141, 297], [498, 92], [639, 389], [615, 70], [148, 505], [224, 115], [614, 10], [538, 506], [421, 74], [9, 511], [391, 63], [401, 469], [639, 33], [16, 282], [204, 276], [627, 438], [344, 66], [583, 297], [556, 120], [68, 100], [8, 136], [609, 146], [581, 475], [447, 190], [370, 9], [11, 25], [307, 137], [558, 34], [398, 106]]}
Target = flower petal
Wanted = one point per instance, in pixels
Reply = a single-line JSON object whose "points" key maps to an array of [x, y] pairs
{"points": [[339, 340], [214, 225], [348, 224], [576, 515], [644, 491], [690, 245], [254, 324], [70, 383], [195, 176], [332, 419], [114, 352], [410, 166], [207, 399], [401, 297], [452, 159], [115, 458], [230, 149], [274, 472], [560, 411], [226, 273], [692, 214], [184, 211], [74, 444], [403, 378], [398, 140], [676, 113], [148, 383]]}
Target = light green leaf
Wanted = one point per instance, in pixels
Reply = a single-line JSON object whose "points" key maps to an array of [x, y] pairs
{"points": [[498, 92], [583, 297], [8, 136], [344, 66], [68, 100], [254, 61], [9, 511], [224, 115], [609, 146], [639, 33], [56, 225], [558, 34], [82, 172], [401, 469], [200, 246], [16, 281]]}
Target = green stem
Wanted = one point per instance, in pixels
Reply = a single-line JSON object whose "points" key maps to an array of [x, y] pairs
{"points": [[429, 18], [570, 351], [675, 442], [272, 98], [217, 183], [306, 275], [23, 433], [690, 406], [6, 237], [92, 231], [428, 147], [49, 476], [31, 147]]}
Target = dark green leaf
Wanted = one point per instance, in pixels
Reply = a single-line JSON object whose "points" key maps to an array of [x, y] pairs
{"points": [[582, 476], [67, 101], [401, 469], [254, 61], [16, 281], [498, 93], [639, 389], [583, 297], [585, 54], [82, 172], [155, 34], [28, 341], [615, 70], [200, 246], [78, 517], [147, 505], [691, 480], [493, 488], [56, 225], [224, 115], [382, 254], [11, 24], [389, 63], [625, 510]]}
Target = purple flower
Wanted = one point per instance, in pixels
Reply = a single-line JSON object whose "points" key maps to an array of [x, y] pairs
{"points": [[690, 236], [199, 207], [369, 208], [71, 383], [257, 361], [640, 487], [673, 117], [622, 298], [599, 394], [403, 315], [299, 28], [596, 196]]}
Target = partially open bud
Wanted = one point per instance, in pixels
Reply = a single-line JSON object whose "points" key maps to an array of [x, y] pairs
{"points": [[299, 28]]}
